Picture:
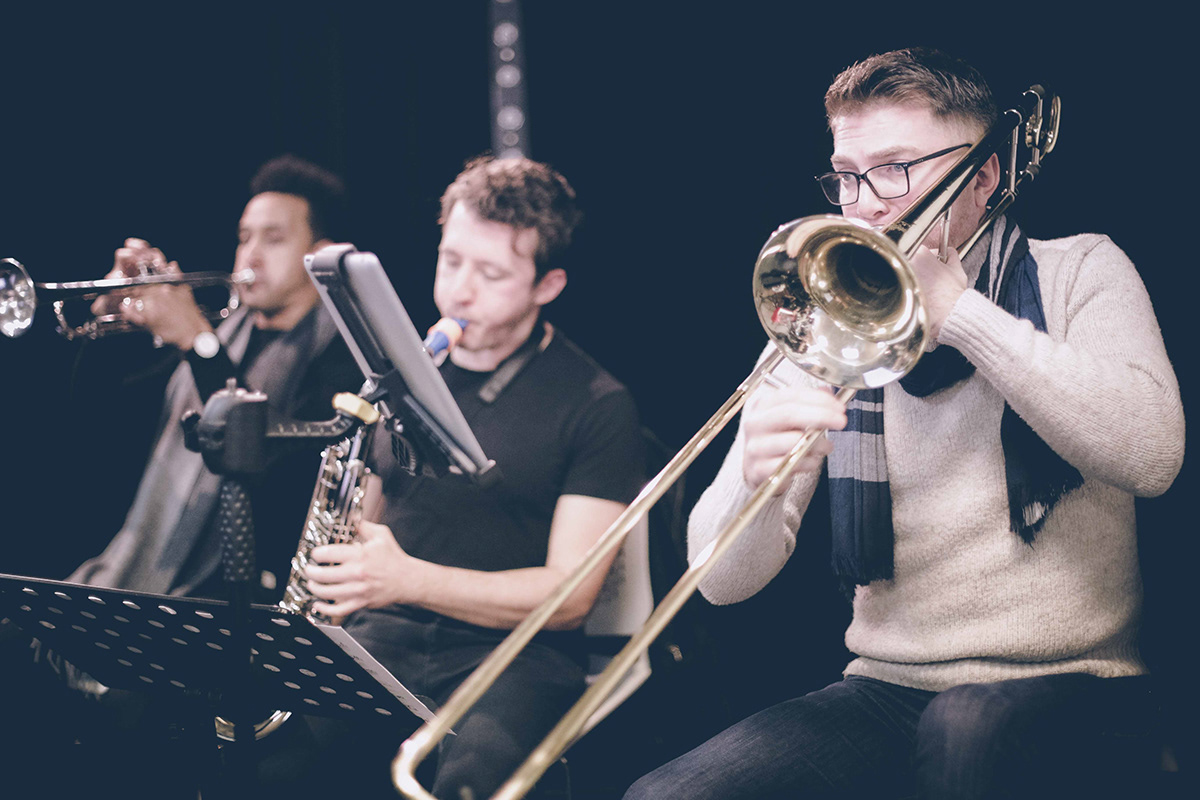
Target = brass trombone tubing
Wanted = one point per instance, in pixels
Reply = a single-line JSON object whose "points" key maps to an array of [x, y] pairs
{"points": [[420, 744], [1048, 139], [906, 234], [563, 734]]}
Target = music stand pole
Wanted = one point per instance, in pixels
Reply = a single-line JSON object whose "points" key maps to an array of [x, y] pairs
{"points": [[232, 437], [236, 525]]}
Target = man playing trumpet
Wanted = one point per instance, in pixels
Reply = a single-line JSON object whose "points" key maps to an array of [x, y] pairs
{"points": [[283, 343], [280, 341]]}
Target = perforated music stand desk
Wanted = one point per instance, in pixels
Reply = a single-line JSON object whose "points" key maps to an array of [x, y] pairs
{"points": [[148, 642]]}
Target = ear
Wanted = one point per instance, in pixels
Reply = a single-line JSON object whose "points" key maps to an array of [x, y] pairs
{"points": [[986, 181], [550, 286]]}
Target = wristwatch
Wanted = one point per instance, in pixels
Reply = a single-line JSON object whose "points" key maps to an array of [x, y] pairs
{"points": [[206, 344]]}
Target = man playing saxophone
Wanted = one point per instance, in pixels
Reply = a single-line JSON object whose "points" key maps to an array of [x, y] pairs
{"points": [[982, 506], [452, 566]]}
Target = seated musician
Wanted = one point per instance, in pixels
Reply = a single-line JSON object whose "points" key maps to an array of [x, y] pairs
{"points": [[983, 506], [280, 341], [453, 566]]}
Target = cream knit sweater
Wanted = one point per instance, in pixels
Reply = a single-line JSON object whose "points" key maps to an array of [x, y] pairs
{"points": [[970, 601]]}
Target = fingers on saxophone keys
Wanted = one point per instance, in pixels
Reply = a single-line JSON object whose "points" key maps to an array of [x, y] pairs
{"points": [[339, 599], [331, 572], [325, 554]]}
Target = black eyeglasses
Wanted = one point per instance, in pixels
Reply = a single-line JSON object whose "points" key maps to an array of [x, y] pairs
{"points": [[887, 181]]}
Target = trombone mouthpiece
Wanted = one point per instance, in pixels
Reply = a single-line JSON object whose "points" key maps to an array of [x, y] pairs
{"points": [[442, 337]]}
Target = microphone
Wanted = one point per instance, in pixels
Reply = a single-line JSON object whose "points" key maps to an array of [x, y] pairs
{"points": [[442, 337]]}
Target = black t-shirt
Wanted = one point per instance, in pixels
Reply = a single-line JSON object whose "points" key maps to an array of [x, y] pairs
{"points": [[562, 425]]}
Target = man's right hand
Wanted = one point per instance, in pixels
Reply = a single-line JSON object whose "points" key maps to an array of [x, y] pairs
{"points": [[136, 258], [773, 421]]}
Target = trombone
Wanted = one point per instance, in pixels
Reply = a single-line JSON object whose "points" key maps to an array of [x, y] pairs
{"points": [[19, 298], [846, 309]]}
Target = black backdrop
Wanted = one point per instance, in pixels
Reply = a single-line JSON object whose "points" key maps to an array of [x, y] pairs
{"points": [[689, 136]]}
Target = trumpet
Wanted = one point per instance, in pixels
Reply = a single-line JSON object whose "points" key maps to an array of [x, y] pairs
{"points": [[19, 298], [847, 310]]}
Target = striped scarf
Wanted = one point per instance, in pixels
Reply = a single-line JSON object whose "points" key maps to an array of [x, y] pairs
{"points": [[1037, 477]]}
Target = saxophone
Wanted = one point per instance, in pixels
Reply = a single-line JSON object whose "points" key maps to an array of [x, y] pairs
{"points": [[333, 514], [335, 508]]}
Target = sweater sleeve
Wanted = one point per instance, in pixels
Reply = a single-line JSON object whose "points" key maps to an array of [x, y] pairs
{"points": [[1097, 387], [765, 546]]}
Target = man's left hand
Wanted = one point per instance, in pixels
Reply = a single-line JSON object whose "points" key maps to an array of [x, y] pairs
{"points": [[941, 284], [169, 312]]}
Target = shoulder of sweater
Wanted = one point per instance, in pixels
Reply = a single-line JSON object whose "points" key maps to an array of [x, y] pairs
{"points": [[1081, 267], [1076, 247]]}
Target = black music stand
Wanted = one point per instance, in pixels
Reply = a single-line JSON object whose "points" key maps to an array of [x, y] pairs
{"points": [[381, 337], [184, 648]]}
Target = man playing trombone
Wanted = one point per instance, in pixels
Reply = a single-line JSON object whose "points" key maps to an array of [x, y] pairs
{"points": [[982, 506]]}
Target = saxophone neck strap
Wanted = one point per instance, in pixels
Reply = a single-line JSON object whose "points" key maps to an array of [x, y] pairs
{"points": [[512, 366]]}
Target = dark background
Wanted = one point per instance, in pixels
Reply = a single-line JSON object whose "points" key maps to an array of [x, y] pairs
{"points": [[689, 135]]}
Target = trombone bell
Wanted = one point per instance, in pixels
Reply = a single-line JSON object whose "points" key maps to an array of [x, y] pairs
{"points": [[845, 308]]}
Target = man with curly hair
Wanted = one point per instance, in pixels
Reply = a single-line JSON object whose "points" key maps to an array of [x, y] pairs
{"points": [[453, 566]]}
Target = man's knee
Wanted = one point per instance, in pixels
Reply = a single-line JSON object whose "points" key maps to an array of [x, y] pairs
{"points": [[1012, 738], [644, 789], [970, 741], [968, 717]]}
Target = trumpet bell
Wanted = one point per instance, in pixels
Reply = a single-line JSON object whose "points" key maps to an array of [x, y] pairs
{"points": [[845, 308], [17, 301]]}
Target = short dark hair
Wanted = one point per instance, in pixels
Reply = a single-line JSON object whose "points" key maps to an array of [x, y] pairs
{"points": [[324, 192], [520, 193], [951, 87]]}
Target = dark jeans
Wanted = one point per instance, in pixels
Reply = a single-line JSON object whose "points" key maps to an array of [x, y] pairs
{"points": [[432, 655], [1051, 736]]}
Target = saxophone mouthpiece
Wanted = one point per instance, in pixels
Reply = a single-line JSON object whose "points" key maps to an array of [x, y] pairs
{"points": [[442, 337]]}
